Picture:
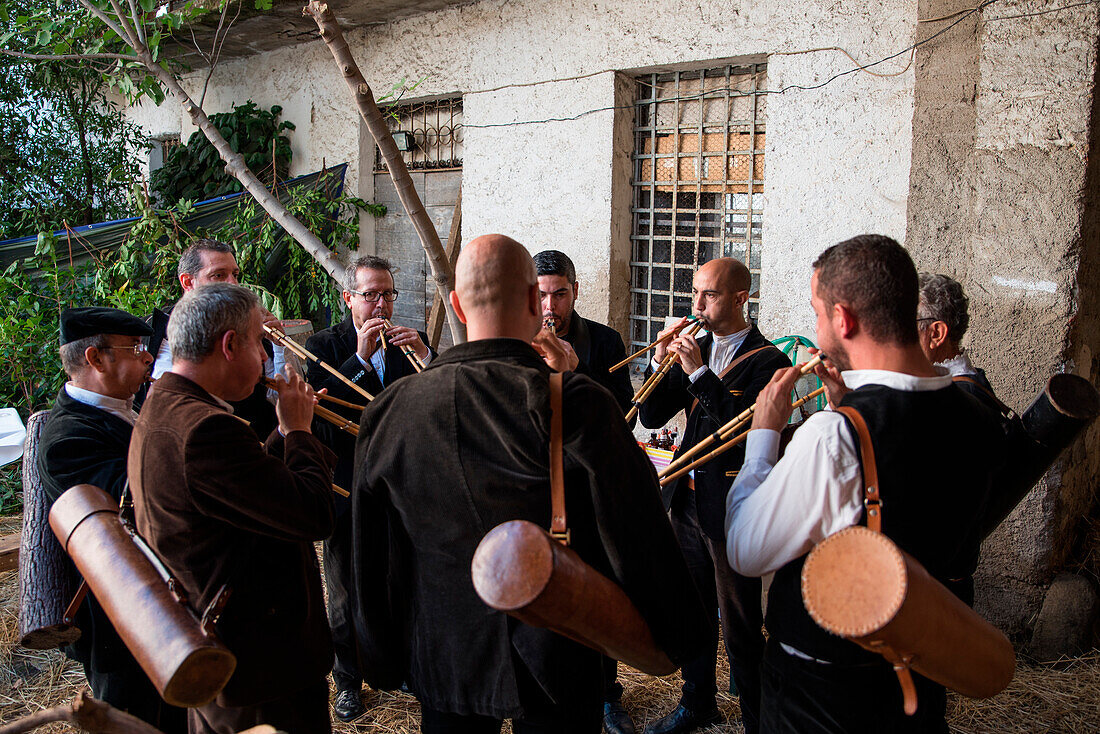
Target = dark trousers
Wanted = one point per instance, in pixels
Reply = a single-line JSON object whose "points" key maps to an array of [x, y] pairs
{"points": [[737, 597], [339, 583], [129, 689], [809, 697], [560, 719], [300, 712]]}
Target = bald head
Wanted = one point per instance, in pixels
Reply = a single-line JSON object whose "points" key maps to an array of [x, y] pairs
{"points": [[495, 283], [730, 274]]}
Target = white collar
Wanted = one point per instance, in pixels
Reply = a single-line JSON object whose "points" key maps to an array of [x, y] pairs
{"points": [[958, 365], [736, 336], [124, 409], [855, 379]]}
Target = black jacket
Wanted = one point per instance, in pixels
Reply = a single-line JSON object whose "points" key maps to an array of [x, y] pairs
{"points": [[719, 400], [336, 347], [82, 444], [443, 459], [598, 347]]}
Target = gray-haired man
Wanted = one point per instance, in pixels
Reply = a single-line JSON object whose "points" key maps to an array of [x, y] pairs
{"points": [[223, 511], [354, 347], [943, 315]]}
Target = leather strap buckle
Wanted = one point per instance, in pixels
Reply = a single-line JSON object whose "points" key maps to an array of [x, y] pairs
{"points": [[873, 508], [562, 537]]}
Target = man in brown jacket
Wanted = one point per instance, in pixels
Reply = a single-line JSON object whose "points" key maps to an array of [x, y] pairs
{"points": [[226, 513]]}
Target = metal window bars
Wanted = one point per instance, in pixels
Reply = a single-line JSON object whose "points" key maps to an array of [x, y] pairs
{"points": [[436, 128], [698, 185]]}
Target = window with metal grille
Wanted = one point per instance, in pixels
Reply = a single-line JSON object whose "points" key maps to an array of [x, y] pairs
{"points": [[434, 132], [698, 186]]}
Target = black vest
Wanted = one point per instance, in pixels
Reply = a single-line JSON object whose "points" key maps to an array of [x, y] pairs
{"points": [[935, 452]]}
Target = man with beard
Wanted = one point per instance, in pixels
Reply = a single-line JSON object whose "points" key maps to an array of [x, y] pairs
{"points": [[715, 378], [864, 293], [85, 441], [595, 347]]}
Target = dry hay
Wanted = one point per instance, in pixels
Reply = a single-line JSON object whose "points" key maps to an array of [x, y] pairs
{"points": [[1058, 697]]}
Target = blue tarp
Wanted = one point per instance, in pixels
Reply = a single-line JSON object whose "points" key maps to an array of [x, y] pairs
{"points": [[82, 242]]}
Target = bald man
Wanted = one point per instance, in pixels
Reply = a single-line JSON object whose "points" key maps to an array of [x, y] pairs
{"points": [[443, 459], [714, 379]]}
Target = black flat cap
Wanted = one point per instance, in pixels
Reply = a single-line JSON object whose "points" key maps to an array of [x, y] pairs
{"points": [[77, 323]]}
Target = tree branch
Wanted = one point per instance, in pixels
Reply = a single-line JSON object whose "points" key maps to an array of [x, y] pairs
{"points": [[131, 34], [105, 18], [442, 272], [67, 57], [138, 25]]}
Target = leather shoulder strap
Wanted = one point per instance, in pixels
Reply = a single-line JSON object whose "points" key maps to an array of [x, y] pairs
{"points": [[558, 528], [872, 503], [729, 368]]}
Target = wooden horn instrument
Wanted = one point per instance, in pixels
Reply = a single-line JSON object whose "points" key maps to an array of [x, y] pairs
{"points": [[653, 344], [408, 351], [649, 385], [727, 430]]}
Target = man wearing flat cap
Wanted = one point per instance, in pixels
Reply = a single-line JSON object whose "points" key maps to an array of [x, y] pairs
{"points": [[85, 441]]}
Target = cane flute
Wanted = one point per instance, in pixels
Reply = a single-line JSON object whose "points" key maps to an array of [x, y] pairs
{"points": [[287, 343], [658, 342], [649, 385], [723, 448], [336, 419], [727, 430], [321, 396], [406, 349], [324, 413]]}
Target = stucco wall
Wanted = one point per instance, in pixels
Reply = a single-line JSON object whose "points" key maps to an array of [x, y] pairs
{"points": [[551, 184], [974, 156], [1001, 137]]}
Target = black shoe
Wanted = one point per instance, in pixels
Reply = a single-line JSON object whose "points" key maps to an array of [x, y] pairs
{"points": [[348, 705], [683, 720], [616, 720]]}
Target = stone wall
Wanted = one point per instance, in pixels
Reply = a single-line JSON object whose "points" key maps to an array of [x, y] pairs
{"points": [[1001, 136]]}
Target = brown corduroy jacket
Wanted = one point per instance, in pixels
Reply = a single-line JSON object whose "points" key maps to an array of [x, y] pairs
{"points": [[220, 508]]}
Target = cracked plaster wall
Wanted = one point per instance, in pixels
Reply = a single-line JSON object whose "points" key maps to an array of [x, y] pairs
{"points": [[561, 184], [1001, 136]]}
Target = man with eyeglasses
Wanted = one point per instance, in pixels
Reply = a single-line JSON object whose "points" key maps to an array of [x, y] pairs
{"points": [[85, 441], [715, 378], [354, 346]]}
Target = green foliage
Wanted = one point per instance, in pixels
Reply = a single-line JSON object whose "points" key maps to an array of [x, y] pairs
{"points": [[141, 275], [298, 283], [67, 154], [11, 488], [195, 171]]}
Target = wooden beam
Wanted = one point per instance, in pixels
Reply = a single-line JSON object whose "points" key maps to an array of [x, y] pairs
{"points": [[9, 552], [454, 240]]}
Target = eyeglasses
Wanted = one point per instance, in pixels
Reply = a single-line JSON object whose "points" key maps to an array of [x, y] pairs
{"points": [[373, 296], [138, 349]]}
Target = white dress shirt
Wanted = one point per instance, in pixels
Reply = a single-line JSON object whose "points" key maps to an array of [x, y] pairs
{"points": [[960, 364], [124, 409], [776, 512]]}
